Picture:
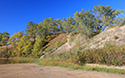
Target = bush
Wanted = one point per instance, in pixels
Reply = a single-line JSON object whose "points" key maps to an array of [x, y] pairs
{"points": [[71, 39], [77, 43], [109, 54], [73, 34], [57, 44], [116, 37], [48, 49]]}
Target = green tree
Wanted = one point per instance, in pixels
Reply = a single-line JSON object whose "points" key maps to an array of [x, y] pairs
{"points": [[60, 24], [42, 30], [31, 30], [84, 22], [119, 21], [50, 25], [0, 36], [97, 19], [68, 24], [104, 16]]}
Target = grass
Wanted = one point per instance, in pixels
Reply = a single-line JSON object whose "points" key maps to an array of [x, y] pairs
{"points": [[67, 64], [109, 54], [61, 38], [23, 58]]}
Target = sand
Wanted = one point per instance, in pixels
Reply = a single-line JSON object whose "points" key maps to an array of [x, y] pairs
{"points": [[31, 70]]}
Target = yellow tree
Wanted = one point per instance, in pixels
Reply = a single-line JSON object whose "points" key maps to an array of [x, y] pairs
{"points": [[15, 38], [24, 47], [5, 37], [37, 47]]}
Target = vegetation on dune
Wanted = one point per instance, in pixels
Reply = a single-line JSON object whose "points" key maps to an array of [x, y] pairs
{"points": [[50, 34], [56, 42], [109, 55]]}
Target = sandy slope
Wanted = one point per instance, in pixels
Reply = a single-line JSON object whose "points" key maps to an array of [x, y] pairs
{"points": [[31, 70]]}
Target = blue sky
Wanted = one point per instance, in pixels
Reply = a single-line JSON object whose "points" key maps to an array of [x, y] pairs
{"points": [[14, 14]]}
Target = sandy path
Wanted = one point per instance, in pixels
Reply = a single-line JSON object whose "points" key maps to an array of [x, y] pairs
{"points": [[31, 70]]}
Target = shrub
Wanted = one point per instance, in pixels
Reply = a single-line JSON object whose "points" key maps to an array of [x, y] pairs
{"points": [[116, 37], [109, 54], [73, 34], [71, 39], [48, 49], [77, 43], [57, 44]]}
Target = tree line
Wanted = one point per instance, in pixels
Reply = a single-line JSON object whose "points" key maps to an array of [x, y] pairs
{"points": [[30, 43]]}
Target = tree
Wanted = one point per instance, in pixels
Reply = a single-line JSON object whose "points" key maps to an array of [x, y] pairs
{"points": [[119, 21], [37, 47], [15, 38], [60, 24], [104, 16], [97, 19], [24, 47], [68, 24], [84, 22], [32, 31], [5, 37], [42, 30], [50, 25], [0, 36]]}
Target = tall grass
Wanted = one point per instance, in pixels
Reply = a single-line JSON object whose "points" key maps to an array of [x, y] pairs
{"points": [[109, 55]]}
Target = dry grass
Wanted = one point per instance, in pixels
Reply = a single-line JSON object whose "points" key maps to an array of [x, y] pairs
{"points": [[61, 38]]}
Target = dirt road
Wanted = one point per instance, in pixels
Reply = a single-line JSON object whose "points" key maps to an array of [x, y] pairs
{"points": [[31, 70]]}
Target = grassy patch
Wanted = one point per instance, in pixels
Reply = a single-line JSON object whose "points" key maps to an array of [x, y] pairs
{"points": [[67, 64]]}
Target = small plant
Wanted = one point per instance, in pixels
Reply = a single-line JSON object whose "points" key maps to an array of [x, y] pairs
{"points": [[57, 44], [48, 49], [71, 39], [77, 43], [73, 34], [116, 37]]}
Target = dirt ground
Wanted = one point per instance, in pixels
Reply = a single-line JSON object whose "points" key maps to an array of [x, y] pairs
{"points": [[30, 70]]}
